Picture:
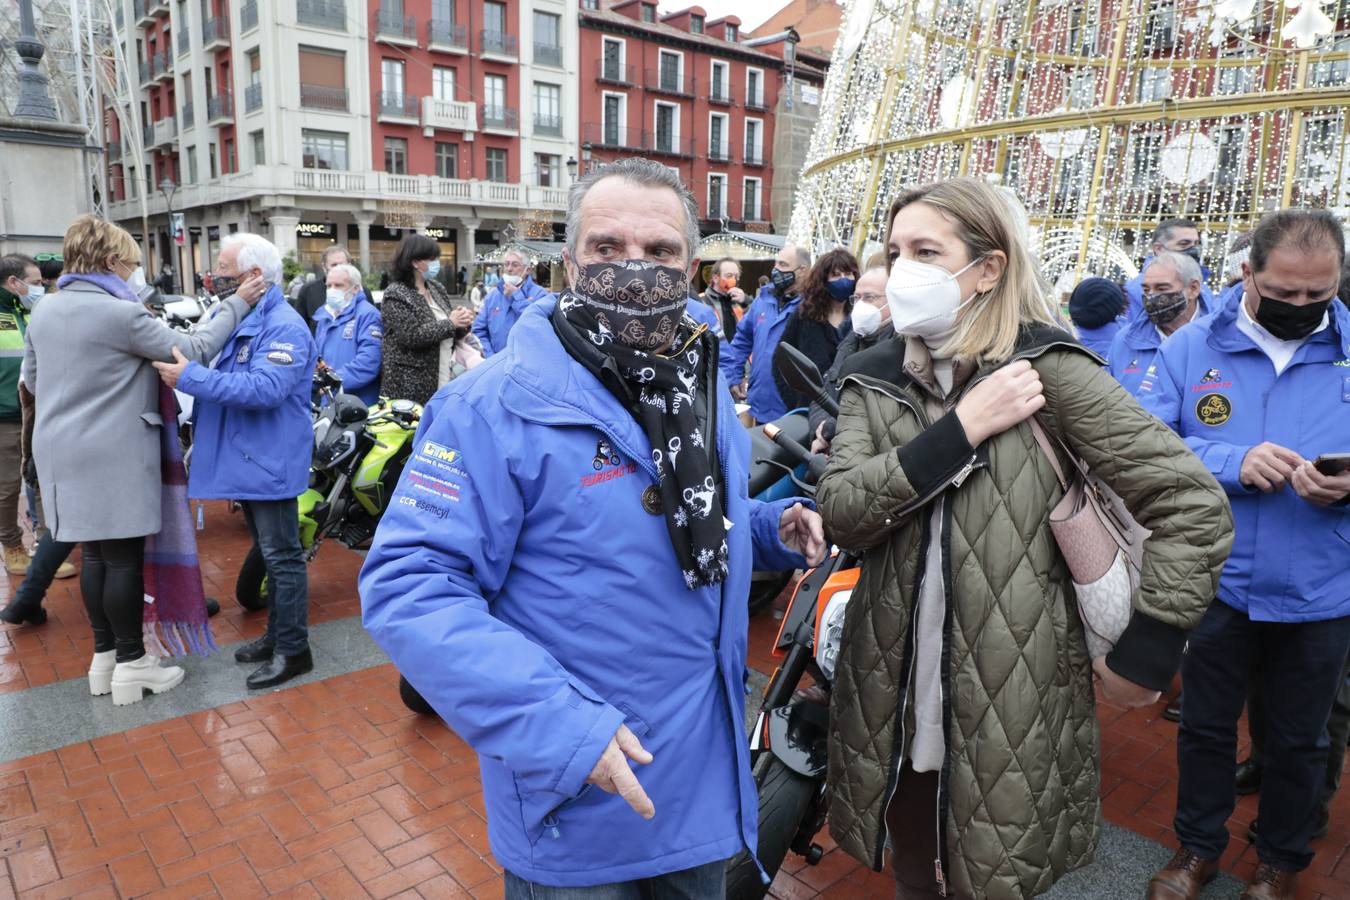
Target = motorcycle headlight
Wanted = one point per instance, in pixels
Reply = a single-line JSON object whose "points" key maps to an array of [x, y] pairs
{"points": [[831, 633]]}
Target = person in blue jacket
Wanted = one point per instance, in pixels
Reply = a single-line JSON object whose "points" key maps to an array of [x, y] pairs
{"points": [[1173, 298], [252, 433], [505, 302], [349, 333], [1259, 391], [1097, 306], [759, 332], [1180, 236], [703, 314], [563, 570]]}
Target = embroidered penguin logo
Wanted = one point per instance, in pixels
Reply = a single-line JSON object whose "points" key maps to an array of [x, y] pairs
{"points": [[1211, 377], [604, 453]]}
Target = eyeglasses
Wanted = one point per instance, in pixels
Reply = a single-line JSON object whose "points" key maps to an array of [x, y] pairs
{"points": [[874, 299]]}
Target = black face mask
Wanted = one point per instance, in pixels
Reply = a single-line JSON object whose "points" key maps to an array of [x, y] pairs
{"points": [[1163, 309], [224, 286], [1287, 321], [782, 280], [1193, 252]]}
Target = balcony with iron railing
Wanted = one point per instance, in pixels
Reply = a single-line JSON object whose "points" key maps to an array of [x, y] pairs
{"points": [[147, 69], [500, 118], [664, 81], [322, 96], [548, 125], [164, 66], [142, 8], [253, 97], [248, 16], [447, 37], [753, 157], [498, 43], [216, 33], [113, 150], [720, 93], [148, 135], [609, 71], [391, 27], [548, 55], [719, 154], [611, 136], [397, 106], [187, 115], [667, 144], [322, 13], [184, 41], [166, 131], [755, 103], [220, 108], [456, 115]]}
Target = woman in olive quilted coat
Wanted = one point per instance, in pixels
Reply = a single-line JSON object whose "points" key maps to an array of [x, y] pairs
{"points": [[963, 732]]}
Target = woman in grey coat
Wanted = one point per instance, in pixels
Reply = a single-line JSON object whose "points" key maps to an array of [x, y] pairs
{"points": [[96, 440]]}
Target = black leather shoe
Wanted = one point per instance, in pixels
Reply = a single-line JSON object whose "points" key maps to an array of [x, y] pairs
{"points": [[1172, 711], [17, 614], [1248, 777], [280, 669], [258, 651]]}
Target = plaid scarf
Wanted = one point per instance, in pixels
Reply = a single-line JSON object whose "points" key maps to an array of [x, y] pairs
{"points": [[175, 620]]}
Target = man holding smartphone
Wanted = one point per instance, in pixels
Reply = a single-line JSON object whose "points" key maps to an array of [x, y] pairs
{"points": [[1260, 392]]}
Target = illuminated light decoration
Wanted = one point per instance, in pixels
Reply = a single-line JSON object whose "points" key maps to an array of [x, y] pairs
{"points": [[1103, 116]]}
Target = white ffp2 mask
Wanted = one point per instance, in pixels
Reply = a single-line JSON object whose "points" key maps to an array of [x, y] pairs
{"points": [[924, 299]]}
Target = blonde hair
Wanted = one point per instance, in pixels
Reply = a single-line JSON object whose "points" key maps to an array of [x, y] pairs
{"points": [[987, 328], [91, 241]]}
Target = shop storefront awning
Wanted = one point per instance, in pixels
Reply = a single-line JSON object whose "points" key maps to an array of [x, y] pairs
{"points": [[536, 251], [740, 245]]}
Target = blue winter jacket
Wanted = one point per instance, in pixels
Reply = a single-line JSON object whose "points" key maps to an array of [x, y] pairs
{"points": [[521, 586], [253, 431], [757, 336], [1134, 291], [1136, 344], [499, 315], [351, 344], [703, 314], [1218, 390], [1098, 340]]}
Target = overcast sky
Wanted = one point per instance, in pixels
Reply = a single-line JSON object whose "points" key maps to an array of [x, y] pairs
{"points": [[751, 12]]}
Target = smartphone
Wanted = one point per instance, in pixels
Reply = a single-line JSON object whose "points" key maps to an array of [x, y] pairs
{"points": [[1332, 463]]}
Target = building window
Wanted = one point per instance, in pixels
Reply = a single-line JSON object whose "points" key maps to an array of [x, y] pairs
{"points": [[754, 141], [494, 17], [391, 74], [696, 24], [1145, 157], [323, 149], [323, 79], [721, 87], [548, 38], [259, 149], [443, 83], [648, 12], [750, 200], [1331, 73], [1083, 91], [590, 4], [213, 161], [191, 155], [494, 97], [1237, 79], [1155, 84], [396, 156], [1232, 167], [717, 135], [496, 164], [754, 87], [667, 127], [670, 74], [613, 60], [227, 162], [549, 168], [443, 11], [613, 121], [717, 196], [447, 160], [547, 109], [732, 35]]}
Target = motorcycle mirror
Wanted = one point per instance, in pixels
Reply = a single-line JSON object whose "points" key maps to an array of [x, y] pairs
{"points": [[802, 375]]}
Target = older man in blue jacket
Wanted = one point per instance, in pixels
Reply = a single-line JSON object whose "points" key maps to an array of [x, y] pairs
{"points": [[252, 434], [1259, 391], [759, 332], [349, 333], [1178, 236], [505, 303], [564, 567], [1173, 298]]}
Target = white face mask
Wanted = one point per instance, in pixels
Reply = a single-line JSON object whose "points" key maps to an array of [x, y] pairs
{"points": [[866, 319], [335, 299], [136, 280], [30, 299], [924, 299], [513, 280]]}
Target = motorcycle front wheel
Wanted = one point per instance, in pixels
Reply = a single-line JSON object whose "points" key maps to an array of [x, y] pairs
{"points": [[250, 588], [784, 801]]}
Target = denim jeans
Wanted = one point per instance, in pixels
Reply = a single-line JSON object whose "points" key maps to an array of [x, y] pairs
{"points": [[275, 526], [48, 557], [1300, 667], [706, 882]]}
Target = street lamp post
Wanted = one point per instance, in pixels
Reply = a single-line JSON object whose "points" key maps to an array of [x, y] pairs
{"points": [[585, 157], [571, 168], [168, 187]]}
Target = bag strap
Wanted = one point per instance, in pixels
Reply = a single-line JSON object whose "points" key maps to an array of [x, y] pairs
{"points": [[1043, 441]]}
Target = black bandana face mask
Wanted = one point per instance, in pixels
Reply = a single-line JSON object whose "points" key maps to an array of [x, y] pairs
{"points": [[1163, 309], [637, 302], [1287, 321]]}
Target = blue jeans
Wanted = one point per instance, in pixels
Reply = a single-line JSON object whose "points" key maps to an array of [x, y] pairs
{"points": [[1300, 667], [47, 558], [275, 526], [707, 882]]}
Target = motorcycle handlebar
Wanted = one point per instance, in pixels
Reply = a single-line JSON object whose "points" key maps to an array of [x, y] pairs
{"points": [[815, 462]]}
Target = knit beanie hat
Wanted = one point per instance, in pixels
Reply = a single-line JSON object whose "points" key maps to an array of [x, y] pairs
{"points": [[1095, 302]]}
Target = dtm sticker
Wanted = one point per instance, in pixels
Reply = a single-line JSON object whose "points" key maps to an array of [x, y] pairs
{"points": [[280, 358], [440, 452], [1213, 409], [439, 512]]}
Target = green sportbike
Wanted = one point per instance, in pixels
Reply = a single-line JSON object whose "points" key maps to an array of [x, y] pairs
{"points": [[359, 453]]}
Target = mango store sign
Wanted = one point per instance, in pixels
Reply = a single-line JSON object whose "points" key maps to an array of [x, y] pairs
{"points": [[316, 230]]}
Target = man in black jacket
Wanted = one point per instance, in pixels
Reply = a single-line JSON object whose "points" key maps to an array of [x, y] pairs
{"points": [[312, 294]]}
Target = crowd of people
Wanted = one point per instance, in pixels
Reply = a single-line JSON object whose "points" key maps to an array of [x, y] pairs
{"points": [[587, 635]]}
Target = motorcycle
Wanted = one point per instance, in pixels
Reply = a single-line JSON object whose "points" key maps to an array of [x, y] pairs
{"points": [[788, 746], [359, 453]]}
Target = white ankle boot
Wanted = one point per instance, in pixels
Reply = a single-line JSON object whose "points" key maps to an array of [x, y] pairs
{"points": [[101, 672], [130, 680]]}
